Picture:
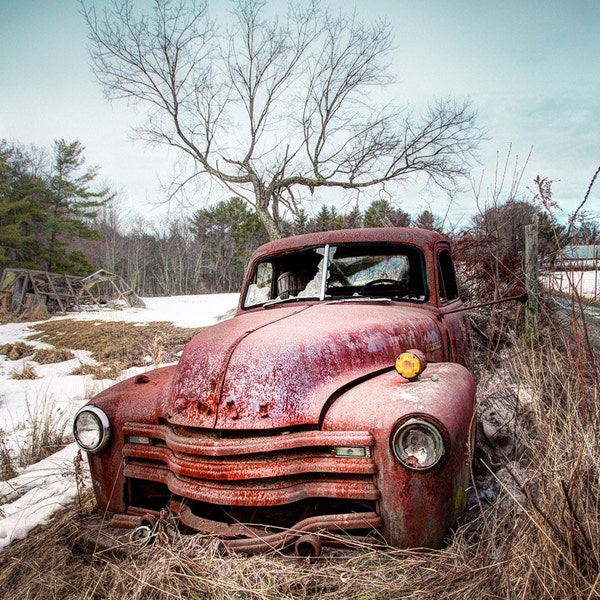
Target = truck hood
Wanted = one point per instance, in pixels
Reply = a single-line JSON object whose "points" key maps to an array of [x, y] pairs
{"points": [[278, 367]]}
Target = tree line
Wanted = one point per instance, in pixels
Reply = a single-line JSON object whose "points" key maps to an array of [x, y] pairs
{"points": [[209, 251], [53, 216]]}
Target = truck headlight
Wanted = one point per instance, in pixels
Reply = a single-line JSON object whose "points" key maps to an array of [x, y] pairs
{"points": [[418, 444], [91, 429], [411, 364]]}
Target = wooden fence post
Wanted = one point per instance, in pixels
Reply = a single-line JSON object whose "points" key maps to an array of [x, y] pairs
{"points": [[531, 282]]}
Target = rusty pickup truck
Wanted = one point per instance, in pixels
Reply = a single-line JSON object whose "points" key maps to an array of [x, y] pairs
{"points": [[333, 407]]}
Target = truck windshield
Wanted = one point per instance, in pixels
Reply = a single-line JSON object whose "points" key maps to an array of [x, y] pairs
{"points": [[337, 272]]}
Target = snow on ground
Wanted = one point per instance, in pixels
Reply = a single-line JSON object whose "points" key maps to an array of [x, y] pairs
{"points": [[40, 490], [587, 283]]}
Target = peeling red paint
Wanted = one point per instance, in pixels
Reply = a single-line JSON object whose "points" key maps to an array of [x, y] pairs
{"points": [[284, 416]]}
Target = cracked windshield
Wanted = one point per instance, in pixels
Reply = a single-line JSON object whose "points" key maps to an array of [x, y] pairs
{"points": [[353, 271]]}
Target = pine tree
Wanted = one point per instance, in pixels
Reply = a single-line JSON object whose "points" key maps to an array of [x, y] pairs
{"points": [[230, 232], [22, 193], [46, 206], [427, 220], [71, 206], [382, 214]]}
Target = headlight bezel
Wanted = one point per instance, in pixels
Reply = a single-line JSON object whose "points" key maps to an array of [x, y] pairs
{"points": [[435, 432], [103, 428]]}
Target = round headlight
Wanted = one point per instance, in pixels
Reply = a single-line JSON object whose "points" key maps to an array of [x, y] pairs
{"points": [[91, 429], [418, 444]]}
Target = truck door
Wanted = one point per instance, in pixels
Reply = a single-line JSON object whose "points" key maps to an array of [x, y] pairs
{"points": [[455, 324]]}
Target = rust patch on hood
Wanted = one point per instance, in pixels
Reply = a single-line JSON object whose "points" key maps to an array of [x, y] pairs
{"points": [[277, 367]]}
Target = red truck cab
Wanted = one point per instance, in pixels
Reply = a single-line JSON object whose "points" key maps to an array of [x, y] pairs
{"points": [[333, 406]]}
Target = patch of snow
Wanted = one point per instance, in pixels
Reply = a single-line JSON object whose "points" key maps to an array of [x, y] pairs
{"points": [[587, 283], [31, 498], [35, 494]]}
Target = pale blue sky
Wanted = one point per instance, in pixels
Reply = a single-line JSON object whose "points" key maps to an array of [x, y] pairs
{"points": [[530, 68]]}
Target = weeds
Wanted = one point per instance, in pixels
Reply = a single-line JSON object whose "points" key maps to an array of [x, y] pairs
{"points": [[47, 356], [79, 473], [110, 370], [7, 467], [17, 350], [45, 433], [27, 371], [126, 344], [552, 481]]}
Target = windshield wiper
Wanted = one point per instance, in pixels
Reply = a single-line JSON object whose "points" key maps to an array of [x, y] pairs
{"points": [[278, 301], [361, 299]]}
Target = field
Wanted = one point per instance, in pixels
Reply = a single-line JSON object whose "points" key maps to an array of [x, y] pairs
{"points": [[531, 531]]}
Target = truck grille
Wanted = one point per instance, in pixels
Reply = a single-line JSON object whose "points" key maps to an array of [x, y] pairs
{"points": [[267, 479]]}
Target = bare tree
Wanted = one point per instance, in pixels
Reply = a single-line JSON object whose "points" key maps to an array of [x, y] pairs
{"points": [[274, 107]]}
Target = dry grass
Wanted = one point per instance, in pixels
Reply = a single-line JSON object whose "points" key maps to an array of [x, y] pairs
{"points": [[109, 370], [48, 430], [38, 312], [17, 350], [27, 371], [193, 567], [7, 464], [118, 342], [47, 356]]}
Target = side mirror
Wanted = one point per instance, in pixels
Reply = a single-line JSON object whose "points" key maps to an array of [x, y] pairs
{"points": [[518, 294]]}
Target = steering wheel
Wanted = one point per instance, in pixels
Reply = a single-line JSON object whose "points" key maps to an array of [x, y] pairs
{"points": [[398, 288], [382, 281]]}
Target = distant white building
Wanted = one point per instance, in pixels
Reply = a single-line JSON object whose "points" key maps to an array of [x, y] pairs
{"points": [[580, 257]]}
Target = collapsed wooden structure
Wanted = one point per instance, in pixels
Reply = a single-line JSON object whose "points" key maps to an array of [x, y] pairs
{"points": [[23, 290]]}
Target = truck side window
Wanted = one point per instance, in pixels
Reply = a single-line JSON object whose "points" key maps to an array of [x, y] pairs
{"points": [[447, 278], [260, 290]]}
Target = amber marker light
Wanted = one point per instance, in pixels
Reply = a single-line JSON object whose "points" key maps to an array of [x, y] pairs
{"points": [[411, 364]]}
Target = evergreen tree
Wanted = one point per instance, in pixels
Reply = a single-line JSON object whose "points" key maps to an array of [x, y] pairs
{"points": [[300, 222], [22, 194], [230, 232], [354, 219], [46, 206], [327, 219], [9, 228], [427, 220], [382, 214], [71, 207]]}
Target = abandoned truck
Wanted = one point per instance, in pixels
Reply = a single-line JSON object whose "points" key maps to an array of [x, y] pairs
{"points": [[333, 406]]}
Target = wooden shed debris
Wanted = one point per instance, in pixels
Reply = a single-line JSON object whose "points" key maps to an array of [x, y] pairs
{"points": [[23, 290]]}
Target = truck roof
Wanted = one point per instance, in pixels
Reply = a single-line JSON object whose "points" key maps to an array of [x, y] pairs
{"points": [[398, 235]]}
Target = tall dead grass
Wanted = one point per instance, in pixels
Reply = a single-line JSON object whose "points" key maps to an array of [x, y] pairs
{"points": [[46, 429], [548, 545]]}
